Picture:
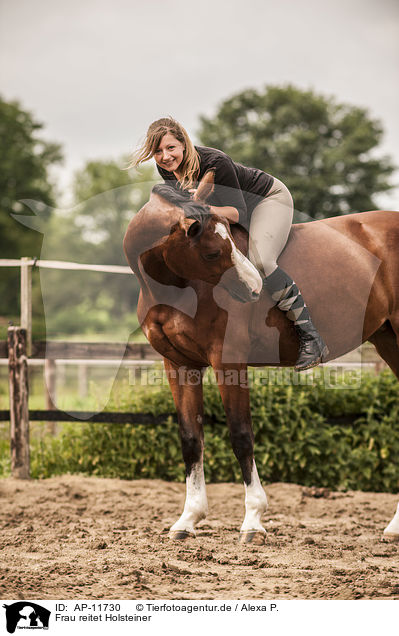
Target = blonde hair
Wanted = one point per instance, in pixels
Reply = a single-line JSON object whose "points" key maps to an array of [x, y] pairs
{"points": [[190, 165]]}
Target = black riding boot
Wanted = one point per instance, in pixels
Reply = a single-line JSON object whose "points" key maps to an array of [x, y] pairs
{"points": [[289, 299]]}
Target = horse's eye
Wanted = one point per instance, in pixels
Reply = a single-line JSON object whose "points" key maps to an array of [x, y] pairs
{"points": [[212, 256]]}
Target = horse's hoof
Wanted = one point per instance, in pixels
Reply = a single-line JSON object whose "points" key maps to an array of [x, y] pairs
{"points": [[256, 537], [391, 536], [180, 535]]}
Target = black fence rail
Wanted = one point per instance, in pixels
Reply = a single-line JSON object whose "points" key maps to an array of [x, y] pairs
{"points": [[60, 349], [117, 417], [111, 417]]}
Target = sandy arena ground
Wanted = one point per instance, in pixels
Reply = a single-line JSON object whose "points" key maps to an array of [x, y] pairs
{"points": [[76, 537]]}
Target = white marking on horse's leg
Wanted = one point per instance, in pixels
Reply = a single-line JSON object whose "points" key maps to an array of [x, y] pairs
{"points": [[246, 271], [255, 503], [392, 528], [196, 505]]}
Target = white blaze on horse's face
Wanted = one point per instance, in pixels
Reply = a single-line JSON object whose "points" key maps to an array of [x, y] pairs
{"points": [[247, 272]]}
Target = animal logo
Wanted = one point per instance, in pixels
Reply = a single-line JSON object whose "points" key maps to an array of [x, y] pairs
{"points": [[26, 615]]}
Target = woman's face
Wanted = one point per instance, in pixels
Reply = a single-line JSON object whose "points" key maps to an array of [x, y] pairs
{"points": [[169, 153]]}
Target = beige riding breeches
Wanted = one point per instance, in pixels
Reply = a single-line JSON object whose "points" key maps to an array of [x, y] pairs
{"points": [[269, 228]]}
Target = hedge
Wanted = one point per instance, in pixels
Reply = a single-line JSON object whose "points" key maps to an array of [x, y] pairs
{"points": [[341, 438]]}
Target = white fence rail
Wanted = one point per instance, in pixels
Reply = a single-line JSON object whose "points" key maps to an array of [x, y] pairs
{"points": [[33, 262], [26, 264]]}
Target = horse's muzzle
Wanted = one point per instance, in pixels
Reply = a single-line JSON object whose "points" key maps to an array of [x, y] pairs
{"points": [[240, 289]]}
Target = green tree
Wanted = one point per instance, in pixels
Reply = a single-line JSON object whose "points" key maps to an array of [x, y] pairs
{"points": [[109, 197], [25, 161], [323, 151], [106, 197]]}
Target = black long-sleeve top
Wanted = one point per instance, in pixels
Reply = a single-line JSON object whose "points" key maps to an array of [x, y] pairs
{"points": [[235, 185]]}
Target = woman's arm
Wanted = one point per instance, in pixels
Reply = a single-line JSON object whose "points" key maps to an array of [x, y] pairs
{"points": [[226, 210]]}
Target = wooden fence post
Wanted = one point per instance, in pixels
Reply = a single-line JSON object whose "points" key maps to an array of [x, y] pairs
{"points": [[26, 301], [50, 375], [19, 396]]}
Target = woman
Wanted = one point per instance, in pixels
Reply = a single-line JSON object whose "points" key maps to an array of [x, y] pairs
{"points": [[248, 196]]}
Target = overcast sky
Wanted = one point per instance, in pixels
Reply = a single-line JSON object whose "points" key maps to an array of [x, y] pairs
{"points": [[97, 72]]}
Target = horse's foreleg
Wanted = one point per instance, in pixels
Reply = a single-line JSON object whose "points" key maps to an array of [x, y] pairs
{"points": [[186, 387], [235, 399], [386, 341], [392, 529]]}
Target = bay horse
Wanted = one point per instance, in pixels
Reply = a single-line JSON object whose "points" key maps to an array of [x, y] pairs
{"points": [[201, 304]]}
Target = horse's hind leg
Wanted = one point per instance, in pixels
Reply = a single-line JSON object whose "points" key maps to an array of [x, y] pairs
{"points": [[235, 397], [386, 341], [186, 387]]}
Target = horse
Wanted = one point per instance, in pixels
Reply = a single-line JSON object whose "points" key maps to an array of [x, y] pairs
{"points": [[201, 304]]}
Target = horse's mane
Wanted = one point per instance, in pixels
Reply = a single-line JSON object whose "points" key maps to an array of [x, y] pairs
{"points": [[181, 198]]}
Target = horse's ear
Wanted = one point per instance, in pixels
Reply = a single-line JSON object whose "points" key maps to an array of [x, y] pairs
{"points": [[205, 187], [175, 227], [194, 229], [191, 227]]}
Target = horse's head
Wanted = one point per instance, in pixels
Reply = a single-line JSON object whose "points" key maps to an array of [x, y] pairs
{"points": [[200, 246]]}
